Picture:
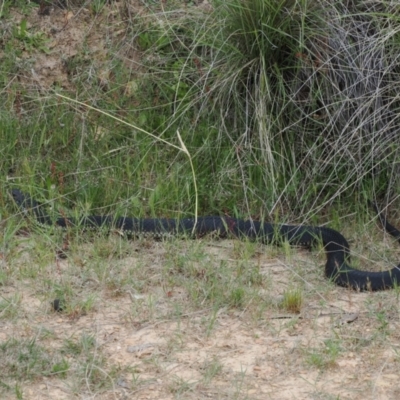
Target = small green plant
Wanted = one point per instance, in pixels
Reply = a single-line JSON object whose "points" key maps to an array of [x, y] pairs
{"points": [[24, 7], [19, 394], [237, 297], [30, 41], [97, 6], [211, 369], [292, 300], [383, 322], [9, 308], [326, 357], [61, 368], [25, 359]]}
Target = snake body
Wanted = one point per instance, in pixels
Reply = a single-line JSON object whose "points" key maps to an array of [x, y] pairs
{"points": [[336, 246]]}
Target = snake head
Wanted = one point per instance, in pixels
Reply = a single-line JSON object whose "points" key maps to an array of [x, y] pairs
{"points": [[23, 200], [26, 204]]}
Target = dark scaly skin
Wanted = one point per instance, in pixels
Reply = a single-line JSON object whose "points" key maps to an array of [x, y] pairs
{"points": [[336, 246]]}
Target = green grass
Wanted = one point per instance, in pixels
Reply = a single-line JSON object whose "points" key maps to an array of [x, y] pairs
{"points": [[325, 357], [292, 300], [278, 110], [30, 359], [250, 88]]}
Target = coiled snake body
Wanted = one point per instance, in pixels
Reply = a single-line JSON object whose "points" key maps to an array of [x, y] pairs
{"points": [[335, 245]]}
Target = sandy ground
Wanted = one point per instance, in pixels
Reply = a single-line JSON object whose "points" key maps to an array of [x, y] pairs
{"points": [[163, 354]]}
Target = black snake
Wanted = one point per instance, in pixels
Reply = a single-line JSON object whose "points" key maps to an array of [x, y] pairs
{"points": [[335, 245]]}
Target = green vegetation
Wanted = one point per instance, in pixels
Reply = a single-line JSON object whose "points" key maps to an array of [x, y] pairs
{"points": [[292, 300], [325, 357], [276, 106], [252, 108], [27, 360], [27, 41]]}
